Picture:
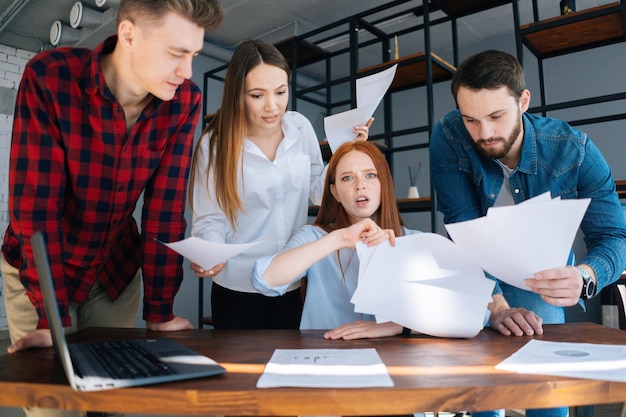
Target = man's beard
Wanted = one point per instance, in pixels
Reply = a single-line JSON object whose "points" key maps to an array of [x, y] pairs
{"points": [[507, 144]]}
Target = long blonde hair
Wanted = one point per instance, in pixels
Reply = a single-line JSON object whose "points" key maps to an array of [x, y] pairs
{"points": [[228, 129]]}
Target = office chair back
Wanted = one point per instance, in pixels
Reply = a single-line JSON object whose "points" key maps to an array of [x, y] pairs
{"points": [[620, 296]]}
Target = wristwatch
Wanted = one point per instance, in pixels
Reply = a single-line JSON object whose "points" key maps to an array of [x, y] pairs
{"points": [[589, 285]]}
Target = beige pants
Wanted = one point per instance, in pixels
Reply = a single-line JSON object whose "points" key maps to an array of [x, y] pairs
{"points": [[96, 311]]}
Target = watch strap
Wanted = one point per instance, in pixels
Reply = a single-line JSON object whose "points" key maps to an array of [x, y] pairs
{"points": [[589, 286]]}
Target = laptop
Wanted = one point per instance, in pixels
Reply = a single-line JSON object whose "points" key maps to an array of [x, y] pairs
{"points": [[94, 366]]}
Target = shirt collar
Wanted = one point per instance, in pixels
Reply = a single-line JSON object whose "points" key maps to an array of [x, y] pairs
{"points": [[291, 135], [528, 158], [93, 69]]}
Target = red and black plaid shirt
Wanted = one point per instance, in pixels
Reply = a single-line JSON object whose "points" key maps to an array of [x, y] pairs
{"points": [[77, 175]]}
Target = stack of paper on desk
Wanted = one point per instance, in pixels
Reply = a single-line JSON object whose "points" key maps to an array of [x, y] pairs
{"points": [[576, 360], [425, 283], [325, 368], [512, 243]]}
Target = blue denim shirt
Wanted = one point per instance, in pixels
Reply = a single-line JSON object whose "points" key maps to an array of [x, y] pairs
{"points": [[555, 157]]}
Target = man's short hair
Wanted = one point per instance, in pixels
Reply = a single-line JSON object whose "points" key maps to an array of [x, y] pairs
{"points": [[205, 13], [489, 70]]}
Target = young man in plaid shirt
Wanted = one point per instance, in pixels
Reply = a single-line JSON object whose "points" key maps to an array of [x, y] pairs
{"points": [[93, 132]]}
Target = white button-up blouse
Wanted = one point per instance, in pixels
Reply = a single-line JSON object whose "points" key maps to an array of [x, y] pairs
{"points": [[275, 197]]}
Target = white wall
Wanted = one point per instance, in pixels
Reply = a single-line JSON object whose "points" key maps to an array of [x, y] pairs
{"points": [[12, 62]]}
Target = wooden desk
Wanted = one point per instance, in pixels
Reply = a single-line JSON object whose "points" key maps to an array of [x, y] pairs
{"points": [[430, 374]]}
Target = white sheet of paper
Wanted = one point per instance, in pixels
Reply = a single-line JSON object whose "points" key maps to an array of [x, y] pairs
{"points": [[425, 283], [325, 368], [208, 254], [577, 360], [512, 243], [338, 127], [370, 90]]}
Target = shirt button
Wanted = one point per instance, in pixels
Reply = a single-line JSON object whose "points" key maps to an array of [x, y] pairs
{"points": [[517, 191], [118, 108]]}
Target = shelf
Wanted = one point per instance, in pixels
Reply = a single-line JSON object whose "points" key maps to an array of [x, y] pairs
{"points": [[456, 8], [412, 69], [306, 52], [405, 205], [206, 321], [620, 185], [411, 205], [578, 31]]}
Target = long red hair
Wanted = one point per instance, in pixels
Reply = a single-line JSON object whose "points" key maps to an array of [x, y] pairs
{"points": [[332, 214]]}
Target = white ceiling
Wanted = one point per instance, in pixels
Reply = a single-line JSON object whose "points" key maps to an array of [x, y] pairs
{"points": [[25, 24]]}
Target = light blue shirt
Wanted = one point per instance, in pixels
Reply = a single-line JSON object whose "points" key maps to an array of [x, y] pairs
{"points": [[555, 157], [329, 290]]}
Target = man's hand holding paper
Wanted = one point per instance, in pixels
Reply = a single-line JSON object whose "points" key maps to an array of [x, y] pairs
{"points": [[544, 231], [558, 286]]}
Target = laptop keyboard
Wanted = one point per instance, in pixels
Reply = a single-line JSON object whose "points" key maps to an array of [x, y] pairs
{"points": [[127, 360]]}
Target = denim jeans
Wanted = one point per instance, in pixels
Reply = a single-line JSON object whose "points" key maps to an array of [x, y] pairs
{"points": [[516, 297], [546, 412]]}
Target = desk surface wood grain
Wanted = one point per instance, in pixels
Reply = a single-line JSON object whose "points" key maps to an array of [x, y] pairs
{"points": [[430, 374]]}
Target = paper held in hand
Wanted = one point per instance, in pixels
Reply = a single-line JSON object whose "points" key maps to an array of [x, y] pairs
{"points": [[512, 243], [424, 283], [208, 254], [370, 90], [432, 285]]}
